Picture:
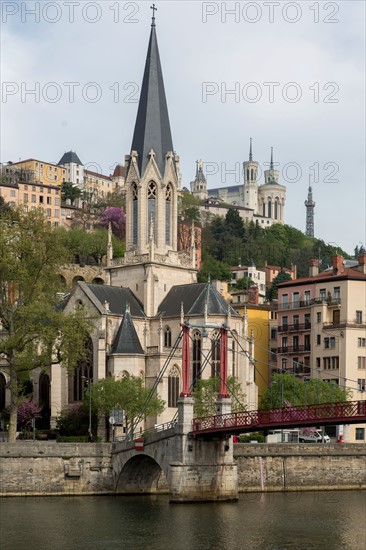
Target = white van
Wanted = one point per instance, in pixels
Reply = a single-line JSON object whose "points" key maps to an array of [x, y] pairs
{"points": [[307, 435]]}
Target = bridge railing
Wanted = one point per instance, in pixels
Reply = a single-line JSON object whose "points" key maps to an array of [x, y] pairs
{"points": [[285, 415], [150, 431]]}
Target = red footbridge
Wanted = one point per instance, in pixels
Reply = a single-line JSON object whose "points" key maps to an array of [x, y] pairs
{"points": [[350, 412]]}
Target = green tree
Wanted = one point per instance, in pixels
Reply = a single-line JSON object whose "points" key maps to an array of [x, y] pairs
{"points": [[35, 332], [243, 284], [70, 191], [128, 394], [272, 292], [287, 389], [189, 208], [206, 391], [4, 206], [213, 269]]}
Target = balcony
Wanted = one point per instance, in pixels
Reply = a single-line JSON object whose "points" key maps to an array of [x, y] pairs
{"points": [[330, 301], [298, 369], [294, 349], [342, 325], [296, 327]]}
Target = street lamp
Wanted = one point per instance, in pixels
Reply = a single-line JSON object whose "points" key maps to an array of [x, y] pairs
{"points": [[89, 383]]}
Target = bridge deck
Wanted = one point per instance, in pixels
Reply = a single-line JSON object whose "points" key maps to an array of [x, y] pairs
{"points": [[351, 412]]}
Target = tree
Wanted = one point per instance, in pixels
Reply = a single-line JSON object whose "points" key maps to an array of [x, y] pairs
{"points": [[213, 269], [287, 389], [69, 191], [35, 330], [272, 292], [4, 206], [128, 394], [189, 208], [243, 284], [116, 217], [205, 395]]}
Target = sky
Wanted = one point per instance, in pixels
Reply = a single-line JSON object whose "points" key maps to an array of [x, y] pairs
{"points": [[288, 74]]}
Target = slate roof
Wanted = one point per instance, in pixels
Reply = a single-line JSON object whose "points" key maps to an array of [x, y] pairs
{"points": [[194, 297], [152, 128], [69, 157], [126, 340], [117, 298]]}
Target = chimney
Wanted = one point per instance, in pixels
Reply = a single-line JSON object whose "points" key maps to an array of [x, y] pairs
{"points": [[362, 263], [313, 267], [253, 295], [294, 271], [337, 264]]}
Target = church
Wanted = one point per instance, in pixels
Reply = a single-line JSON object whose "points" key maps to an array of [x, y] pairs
{"points": [[153, 289], [263, 204]]}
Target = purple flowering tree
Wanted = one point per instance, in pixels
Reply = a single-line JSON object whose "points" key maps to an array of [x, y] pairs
{"points": [[117, 218], [28, 410]]}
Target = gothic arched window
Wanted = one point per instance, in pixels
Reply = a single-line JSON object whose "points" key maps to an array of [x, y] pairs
{"points": [[168, 213], [252, 174], [167, 337], [276, 209], [151, 207], [135, 213], [196, 356], [173, 387], [83, 374], [264, 210], [215, 355], [2, 391], [248, 178]]}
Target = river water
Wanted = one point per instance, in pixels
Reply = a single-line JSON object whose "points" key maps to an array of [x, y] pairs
{"points": [[272, 521]]}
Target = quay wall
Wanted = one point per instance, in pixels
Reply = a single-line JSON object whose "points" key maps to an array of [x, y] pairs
{"points": [[301, 467], [45, 468]]}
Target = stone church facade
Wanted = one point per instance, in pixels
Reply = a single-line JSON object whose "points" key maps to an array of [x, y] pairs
{"points": [[153, 289]]}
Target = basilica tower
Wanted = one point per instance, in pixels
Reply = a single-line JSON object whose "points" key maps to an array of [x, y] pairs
{"points": [[250, 169], [272, 195], [152, 263]]}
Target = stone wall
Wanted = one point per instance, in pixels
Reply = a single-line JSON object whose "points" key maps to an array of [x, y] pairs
{"points": [[28, 468], [46, 468], [263, 467]]}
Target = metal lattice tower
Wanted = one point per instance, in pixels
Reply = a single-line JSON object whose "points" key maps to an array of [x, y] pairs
{"points": [[310, 205]]}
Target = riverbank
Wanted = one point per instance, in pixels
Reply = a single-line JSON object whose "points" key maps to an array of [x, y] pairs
{"points": [[50, 469]]}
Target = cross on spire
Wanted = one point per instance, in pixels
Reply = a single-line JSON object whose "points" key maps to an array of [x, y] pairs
{"points": [[154, 9]]}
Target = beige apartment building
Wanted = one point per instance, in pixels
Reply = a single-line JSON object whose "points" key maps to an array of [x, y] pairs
{"points": [[322, 329]]}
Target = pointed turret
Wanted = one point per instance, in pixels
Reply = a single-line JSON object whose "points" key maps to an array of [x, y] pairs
{"points": [[250, 171], [271, 176], [126, 340], [199, 185], [152, 128], [310, 205], [250, 150]]}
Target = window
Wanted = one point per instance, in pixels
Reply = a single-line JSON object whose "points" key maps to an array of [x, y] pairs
{"points": [[318, 339], [322, 294], [134, 190], [41, 200], [49, 200], [25, 197], [361, 342], [284, 341], [273, 354], [57, 202], [173, 387], [307, 297], [12, 193], [329, 343], [361, 363], [196, 356], [296, 299], [360, 434], [49, 212], [25, 208], [307, 320], [33, 187], [337, 292], [284, 364], [359, 317], [26, 188], [295, 342], [285, 322], [167, 337], [296, 320], [215, 356], [34, 198], [307, 342], [318, 362], [361, 384], [285, 301], [319, 317], [41, 189], [49, 190], [273, 334], [56, 212]]}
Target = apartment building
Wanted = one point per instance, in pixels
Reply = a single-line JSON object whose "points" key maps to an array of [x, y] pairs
{"points": [[322, 328]]}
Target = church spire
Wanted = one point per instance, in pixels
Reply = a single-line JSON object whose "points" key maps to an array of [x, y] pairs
{"points": [[152, 128], [271, 166], [250, 151]]}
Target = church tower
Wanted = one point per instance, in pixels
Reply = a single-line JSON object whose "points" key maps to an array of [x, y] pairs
{"points": [[250, 169], [272, 195], [199, 185], [152, 263]]}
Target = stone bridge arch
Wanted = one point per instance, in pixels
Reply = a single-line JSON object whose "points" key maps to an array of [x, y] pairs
{"points": [[141, 474]]}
